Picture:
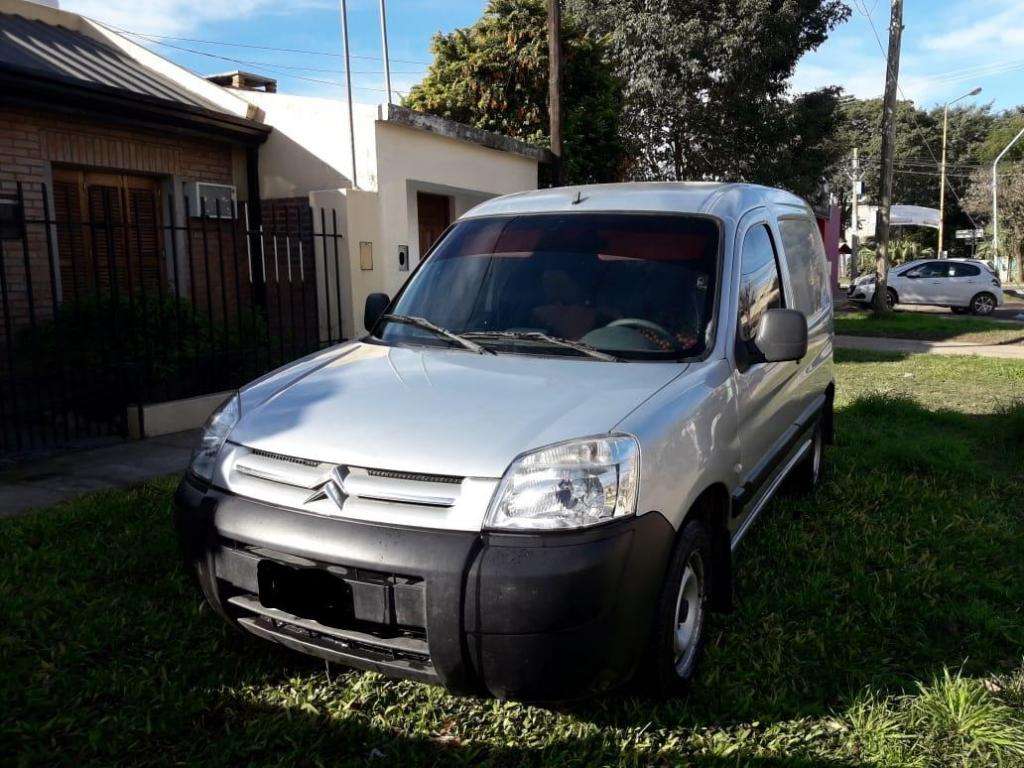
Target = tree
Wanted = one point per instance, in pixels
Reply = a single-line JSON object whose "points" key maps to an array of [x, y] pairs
{"points": [[1001, 132], [494, 75], [917, 149], [706, 85], [1011, 209]]}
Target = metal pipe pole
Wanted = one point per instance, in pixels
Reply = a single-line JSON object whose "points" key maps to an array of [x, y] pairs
{"points": [[856, 178], [348, 88], [555, 88], [995, 200], [384, 40], [942, 180]]}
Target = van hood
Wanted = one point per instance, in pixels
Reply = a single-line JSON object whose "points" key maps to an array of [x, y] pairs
{"points": [[437, 411]]}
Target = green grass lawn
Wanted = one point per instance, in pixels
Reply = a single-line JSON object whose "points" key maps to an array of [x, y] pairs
{"points": [[878, 622], [929, 327]]}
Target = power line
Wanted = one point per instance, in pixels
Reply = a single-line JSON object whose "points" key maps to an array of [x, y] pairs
{"points": [[967, 73], [863, 10], [247, 62], [271, 68], [331, 54]]}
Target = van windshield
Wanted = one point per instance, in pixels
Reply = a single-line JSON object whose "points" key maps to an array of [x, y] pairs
{"points": [[636, 286]]}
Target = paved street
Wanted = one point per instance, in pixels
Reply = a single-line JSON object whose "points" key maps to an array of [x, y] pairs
{"points": [[47, 481]]}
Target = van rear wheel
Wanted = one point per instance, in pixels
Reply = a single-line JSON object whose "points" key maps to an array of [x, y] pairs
{"points": [[806, 475], [677, 640]]}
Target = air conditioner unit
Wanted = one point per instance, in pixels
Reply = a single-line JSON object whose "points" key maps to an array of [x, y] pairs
{"points": [[215, 200]]}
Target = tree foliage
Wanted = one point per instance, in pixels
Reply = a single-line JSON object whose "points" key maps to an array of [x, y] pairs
{"points": [[978, 201], [917, 155], [1004, 129], [706, 82], [494, 75]]}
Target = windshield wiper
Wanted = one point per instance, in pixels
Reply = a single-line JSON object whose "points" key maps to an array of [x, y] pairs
{"points": [[557, 341], [426, 325]]}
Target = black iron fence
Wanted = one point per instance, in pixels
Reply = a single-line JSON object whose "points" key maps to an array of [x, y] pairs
{"points": [[113, 297]]}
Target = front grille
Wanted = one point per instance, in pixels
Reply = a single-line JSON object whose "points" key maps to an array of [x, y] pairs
{"points": [[415, 477], [332, 489], [281, 457]]}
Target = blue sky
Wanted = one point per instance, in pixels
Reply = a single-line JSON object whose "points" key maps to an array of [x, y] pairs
{"points": [[949, 46]]}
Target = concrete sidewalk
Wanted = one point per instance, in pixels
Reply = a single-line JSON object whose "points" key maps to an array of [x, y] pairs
{"points": [[918, 347], [47, 481]]}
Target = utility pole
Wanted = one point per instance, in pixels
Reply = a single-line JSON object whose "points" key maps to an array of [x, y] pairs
{"points": [[857, 181], [384, 42], [892, 72], [348, 88], [555, 87]]}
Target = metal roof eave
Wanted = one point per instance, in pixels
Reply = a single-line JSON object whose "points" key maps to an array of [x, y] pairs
{"points": [[25, 87]]}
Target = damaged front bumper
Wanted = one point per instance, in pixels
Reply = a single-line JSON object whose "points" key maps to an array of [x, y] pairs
{"points": [[538, 616]]}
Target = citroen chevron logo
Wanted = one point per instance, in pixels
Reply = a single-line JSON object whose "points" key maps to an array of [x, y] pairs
{"points": [[333, 489]]}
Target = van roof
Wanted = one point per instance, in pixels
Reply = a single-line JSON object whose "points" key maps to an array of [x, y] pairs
{"points": [[727, 201]]}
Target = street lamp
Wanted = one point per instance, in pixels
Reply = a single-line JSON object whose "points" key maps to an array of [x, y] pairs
{"points": [[942, 182]]}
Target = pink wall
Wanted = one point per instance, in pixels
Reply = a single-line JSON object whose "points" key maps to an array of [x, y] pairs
{"points": [[830, 233]]}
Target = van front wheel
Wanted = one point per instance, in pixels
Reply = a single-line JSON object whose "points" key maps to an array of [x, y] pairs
{"points": [[678, 637]]}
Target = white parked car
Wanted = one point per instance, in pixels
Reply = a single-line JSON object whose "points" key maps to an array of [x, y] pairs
{"points": [[963, 285]]}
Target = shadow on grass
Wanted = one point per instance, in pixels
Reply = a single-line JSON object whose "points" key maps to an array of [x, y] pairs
{"points": [[908, 559], [868, 356]]}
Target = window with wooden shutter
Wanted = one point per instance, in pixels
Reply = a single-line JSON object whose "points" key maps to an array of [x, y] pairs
{"points": [[109, 233]]}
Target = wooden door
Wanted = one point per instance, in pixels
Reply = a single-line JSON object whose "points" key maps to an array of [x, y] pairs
{"points": [[434, 213], [109, 233]]}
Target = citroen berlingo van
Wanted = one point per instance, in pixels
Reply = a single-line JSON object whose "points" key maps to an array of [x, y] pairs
{"points": [[529, 477]]}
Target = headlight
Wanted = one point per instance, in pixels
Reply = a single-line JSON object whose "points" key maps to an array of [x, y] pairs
{"points": [[569, 485], [215, 433]]}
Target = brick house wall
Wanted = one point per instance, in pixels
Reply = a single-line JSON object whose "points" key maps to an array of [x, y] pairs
{"points": [[33, 143]]}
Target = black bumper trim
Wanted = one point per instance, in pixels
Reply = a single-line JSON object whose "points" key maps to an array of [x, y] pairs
{"points": [[545, 616], [351, 655]]}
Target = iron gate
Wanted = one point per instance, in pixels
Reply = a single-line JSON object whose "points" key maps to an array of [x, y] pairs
{"points": [[113, 297]]}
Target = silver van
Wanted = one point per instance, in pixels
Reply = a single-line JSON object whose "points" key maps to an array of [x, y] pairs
{"points": [[530, 475]]}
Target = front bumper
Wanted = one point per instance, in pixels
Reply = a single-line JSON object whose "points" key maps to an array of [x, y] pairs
{"points": [[549, 616], [864, 292]]}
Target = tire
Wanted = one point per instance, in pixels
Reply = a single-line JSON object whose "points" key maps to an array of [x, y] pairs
{"points": [[806, 475], [678, 636], [983, 304], [891, 299]]}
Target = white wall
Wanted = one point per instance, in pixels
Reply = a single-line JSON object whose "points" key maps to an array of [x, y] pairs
{"points": [[411, 160], [358, 220], [309, 148]]}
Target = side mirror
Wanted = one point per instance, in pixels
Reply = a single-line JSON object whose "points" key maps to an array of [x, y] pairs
{"points": [[376, 304], [782, 335]]}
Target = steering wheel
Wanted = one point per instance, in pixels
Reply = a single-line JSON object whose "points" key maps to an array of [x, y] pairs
{"points": [[639, 322]]}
